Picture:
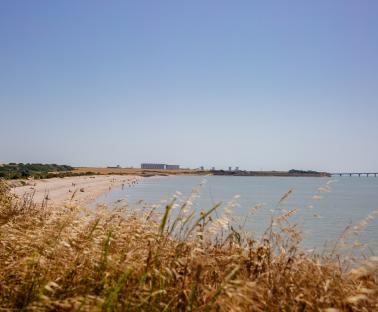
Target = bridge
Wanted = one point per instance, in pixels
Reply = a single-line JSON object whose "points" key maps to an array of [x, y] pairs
{"points": [[340, 174]]}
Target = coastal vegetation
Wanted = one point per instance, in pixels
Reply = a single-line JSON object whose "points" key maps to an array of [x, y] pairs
{"points": [[121, 259], [38, 171], [296, 171]]}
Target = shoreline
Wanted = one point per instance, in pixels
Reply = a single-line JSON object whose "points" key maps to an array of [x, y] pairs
{"points": [[83, 190], [78, 190]]}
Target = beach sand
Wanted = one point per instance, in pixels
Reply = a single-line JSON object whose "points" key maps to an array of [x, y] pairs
{"points": [[80, 190]]}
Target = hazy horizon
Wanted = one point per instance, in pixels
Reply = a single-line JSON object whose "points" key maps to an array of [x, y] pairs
{"points": [[259, 85]]}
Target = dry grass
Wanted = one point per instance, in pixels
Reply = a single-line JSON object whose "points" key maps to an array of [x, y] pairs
{"points": [[72, 259]]}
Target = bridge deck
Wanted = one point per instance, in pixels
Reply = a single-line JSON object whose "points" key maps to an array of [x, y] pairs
{"points": [[354, 174]]}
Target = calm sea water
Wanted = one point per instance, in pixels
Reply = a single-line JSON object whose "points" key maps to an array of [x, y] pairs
{"points": [[350, 200]]}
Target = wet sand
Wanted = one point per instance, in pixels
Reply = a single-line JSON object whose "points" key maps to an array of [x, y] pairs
{"points": [[81, 190]]}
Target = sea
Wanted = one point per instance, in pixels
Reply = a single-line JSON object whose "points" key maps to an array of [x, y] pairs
{"points": [[327, 210]]}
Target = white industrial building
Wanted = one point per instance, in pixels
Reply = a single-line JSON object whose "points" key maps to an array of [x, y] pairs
{"points": [[172, 167], [159, 166]]}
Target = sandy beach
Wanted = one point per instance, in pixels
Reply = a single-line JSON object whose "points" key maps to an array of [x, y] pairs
{"points": [[80, 190]]}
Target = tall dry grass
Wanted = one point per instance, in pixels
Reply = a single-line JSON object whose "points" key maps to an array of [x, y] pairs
{"points": [[74, 259]]}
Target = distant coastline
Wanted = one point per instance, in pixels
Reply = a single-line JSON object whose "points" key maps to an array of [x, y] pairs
{"points": [[290, 173], [157, 172], [21, 171]]}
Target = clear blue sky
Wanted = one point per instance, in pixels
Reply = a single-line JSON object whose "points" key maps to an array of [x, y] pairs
{"points": [[255, 84]]}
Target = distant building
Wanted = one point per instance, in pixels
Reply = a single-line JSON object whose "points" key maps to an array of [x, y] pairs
{"points": [[152, 166], [159, 166], [230, 168], [212, 168], [172, 167], [202, 168], [236, 168]]}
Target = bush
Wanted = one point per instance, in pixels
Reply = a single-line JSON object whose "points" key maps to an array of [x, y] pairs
{"points": [[18, 171]]}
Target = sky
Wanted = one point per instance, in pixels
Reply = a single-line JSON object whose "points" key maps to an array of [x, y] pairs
{"points": [[263, 85]]}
